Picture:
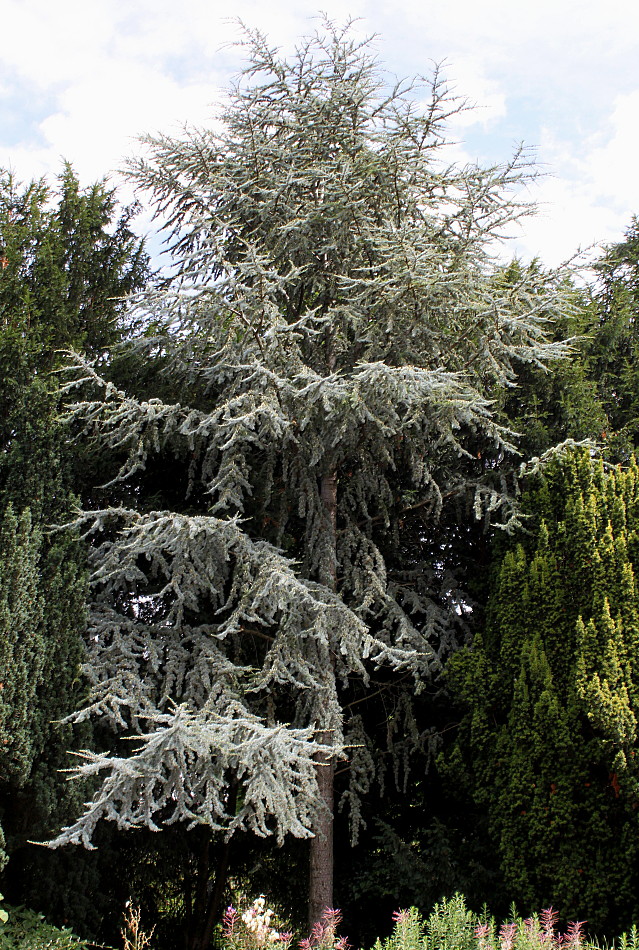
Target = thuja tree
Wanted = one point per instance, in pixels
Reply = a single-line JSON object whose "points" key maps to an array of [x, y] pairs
{"points": [[67, 258], [547, 748], [334, 330], [20, 644], [64, 253], [614, 347], [565, 402]]}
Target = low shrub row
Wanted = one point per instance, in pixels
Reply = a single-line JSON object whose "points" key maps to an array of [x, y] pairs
{"points": [[450, 926]]}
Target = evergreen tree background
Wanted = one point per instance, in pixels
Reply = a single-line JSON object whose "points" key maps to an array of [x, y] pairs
{"points": [[548, 405], [615, 347], [65, 254]]}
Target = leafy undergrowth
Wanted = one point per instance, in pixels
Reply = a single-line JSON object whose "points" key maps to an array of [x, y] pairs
{"points": [[24, 929], [452, 926]]}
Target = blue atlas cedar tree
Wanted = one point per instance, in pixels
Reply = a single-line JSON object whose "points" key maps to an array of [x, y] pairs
{"points": [[333, 332]]}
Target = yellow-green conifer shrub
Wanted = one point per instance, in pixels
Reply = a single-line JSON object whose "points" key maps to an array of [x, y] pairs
{"points": [[549, 738]]}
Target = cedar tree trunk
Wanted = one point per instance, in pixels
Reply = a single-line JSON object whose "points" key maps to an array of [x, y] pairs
{"points": [[320, 891]]}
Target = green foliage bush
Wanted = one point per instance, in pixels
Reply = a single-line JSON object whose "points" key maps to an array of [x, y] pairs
{"points": [[450, 926], [549, 696], [24, 929]]}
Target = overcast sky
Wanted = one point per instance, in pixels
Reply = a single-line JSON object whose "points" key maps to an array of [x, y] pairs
{"points": [[80, 79]]}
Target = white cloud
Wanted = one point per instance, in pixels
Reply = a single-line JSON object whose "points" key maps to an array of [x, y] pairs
{"points": [[592, 188], [561, 75], [98, 120], [612, 166], [486, 98], [50, 43]]}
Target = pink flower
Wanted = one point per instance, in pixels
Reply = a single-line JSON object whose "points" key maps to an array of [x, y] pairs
{"points": [[549, 919], [573, 936], [323, 933], [507, 934], [228, 921], [483, 934]]}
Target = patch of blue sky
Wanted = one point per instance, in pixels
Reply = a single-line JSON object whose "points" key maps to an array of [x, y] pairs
{"points": [[23, 108]]}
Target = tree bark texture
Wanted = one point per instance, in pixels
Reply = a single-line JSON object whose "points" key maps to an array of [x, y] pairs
{"points": [[320, 892], [208, 903]]}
